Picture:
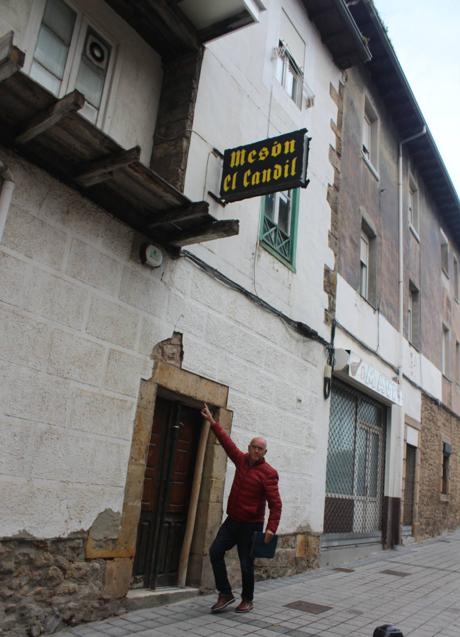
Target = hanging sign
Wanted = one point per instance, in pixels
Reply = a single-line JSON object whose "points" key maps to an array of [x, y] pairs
{"points": [[274, 164]]}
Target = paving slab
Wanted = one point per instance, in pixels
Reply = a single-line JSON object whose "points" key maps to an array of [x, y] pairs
{"points": [[416, 587]]}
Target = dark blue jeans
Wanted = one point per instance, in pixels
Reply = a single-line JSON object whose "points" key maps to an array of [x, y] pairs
{"points": [[229, 534]]}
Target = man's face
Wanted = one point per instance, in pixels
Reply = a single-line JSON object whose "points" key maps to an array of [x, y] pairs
{"points": [[257, 449]]}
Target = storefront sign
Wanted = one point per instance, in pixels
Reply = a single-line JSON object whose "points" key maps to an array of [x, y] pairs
{"points": [[375, 380], [274, 164]]}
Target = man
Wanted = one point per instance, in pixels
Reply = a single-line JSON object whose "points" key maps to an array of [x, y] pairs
{"points": [[254, 484]]}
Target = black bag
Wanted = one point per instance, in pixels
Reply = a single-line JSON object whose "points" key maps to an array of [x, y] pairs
{"points": [[260, 549]]}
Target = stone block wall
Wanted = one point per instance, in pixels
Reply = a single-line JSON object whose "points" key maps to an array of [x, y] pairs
{"points": [[437, 513]]}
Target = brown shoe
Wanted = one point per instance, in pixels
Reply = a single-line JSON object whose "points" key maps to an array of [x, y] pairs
{"points": [[244, 606], [222, 602]]}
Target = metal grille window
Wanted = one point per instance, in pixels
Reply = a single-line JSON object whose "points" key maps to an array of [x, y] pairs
{"points": [[279, 223], [354, 476]]}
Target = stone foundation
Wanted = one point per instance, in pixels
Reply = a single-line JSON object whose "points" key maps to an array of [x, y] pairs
{"points": [[295, 553], [46, 585]]}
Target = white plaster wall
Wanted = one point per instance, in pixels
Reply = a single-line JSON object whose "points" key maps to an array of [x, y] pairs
{"points": [[371, 328], [239, 72], [79, 318], [135, 88]]}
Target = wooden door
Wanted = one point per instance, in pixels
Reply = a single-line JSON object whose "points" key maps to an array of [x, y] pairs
{"points": [[167, 485], [409, 485]]}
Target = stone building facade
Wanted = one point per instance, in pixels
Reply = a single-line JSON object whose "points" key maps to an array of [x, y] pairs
{"points": [[101, 355], [397, 313]]}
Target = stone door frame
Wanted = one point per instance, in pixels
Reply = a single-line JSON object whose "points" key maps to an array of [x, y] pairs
{"points": [[184, 386]]}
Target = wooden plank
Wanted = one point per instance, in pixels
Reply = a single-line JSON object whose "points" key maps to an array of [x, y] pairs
{"points": [[205, 232], [175, 215], [103, 169], [11, 58], [50, 116]]}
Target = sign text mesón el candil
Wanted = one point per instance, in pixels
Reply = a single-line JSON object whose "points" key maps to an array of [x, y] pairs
{"points": [[270, 165]]}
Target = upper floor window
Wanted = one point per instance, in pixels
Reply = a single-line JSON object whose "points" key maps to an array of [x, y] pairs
{"points": [[444, 254], [456, 282], [367, 261], [413, 207], [445, 350], [370, 135], [279, 224], [70, 54], [290, 60], [364, 260], [413, 315]]}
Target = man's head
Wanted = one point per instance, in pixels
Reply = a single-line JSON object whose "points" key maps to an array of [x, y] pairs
{"points": [[257, 449]]}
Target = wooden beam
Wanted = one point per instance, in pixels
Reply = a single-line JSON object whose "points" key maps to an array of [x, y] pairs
{"points": [[205, 232], [175, 215], [11, 58], [102, 169], [45, 120]]}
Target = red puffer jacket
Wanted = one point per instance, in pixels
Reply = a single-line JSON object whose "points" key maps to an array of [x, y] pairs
{"points": [[253, 485]]}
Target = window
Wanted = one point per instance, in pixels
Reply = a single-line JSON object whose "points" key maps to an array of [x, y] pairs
{"points": [[456, 291], [445, 350], [290, 60], [364, 265], [413, 315], [412, 206], [70, 54], [444, 254], [446, 453], [457, 362], [370, 135], [279, 224]]}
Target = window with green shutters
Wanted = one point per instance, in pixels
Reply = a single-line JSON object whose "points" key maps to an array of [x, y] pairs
{"points": [[279, 225]]}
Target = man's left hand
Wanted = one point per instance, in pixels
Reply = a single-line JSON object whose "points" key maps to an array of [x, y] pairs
{"points": [[268, 536]]}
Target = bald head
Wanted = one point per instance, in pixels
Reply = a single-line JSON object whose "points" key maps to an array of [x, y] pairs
{"points": [[257, 449]]}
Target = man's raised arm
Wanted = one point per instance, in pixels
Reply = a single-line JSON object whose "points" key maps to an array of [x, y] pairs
{"points": [[227, 443]]}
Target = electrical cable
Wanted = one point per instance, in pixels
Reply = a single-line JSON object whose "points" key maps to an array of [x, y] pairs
{"points": [[301, 328]]}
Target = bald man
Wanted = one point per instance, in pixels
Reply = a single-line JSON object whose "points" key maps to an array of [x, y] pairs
{"points": [[255, 484]]}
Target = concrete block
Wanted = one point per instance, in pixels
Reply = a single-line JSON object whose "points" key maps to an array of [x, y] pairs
{"points": [[124, 371], [199, 357], [144, 291], [117, 238], [209, 292], [13, 280], [60, 454], [34, 238], [185, 316], [31, 395], [88, 264], [152, 331], [74, 357], [24, 340], [101, 414], [16, 443], [113, 322], [56, 299]]}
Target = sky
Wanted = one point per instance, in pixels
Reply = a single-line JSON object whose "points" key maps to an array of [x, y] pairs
{"points": [[426, 37]]}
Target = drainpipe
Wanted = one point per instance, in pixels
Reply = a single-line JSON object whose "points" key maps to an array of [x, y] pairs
{"points": [[6, 194], [392, 523]]}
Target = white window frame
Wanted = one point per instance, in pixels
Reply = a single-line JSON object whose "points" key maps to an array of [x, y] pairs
{"points": [[413, 207], [456, 280], [364, 265], [370, 137], [457, 362], [444, 253], [285, 61], [445, 350], [82, 22]]}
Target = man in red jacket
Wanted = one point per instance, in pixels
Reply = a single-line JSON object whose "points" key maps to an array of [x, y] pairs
{"points": [[254, 484]]}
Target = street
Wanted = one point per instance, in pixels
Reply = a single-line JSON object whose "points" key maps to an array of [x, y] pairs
{"points": [[415, 587]]}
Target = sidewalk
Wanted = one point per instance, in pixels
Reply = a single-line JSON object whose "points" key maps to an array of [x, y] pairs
{"points": [[416, 587]]}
